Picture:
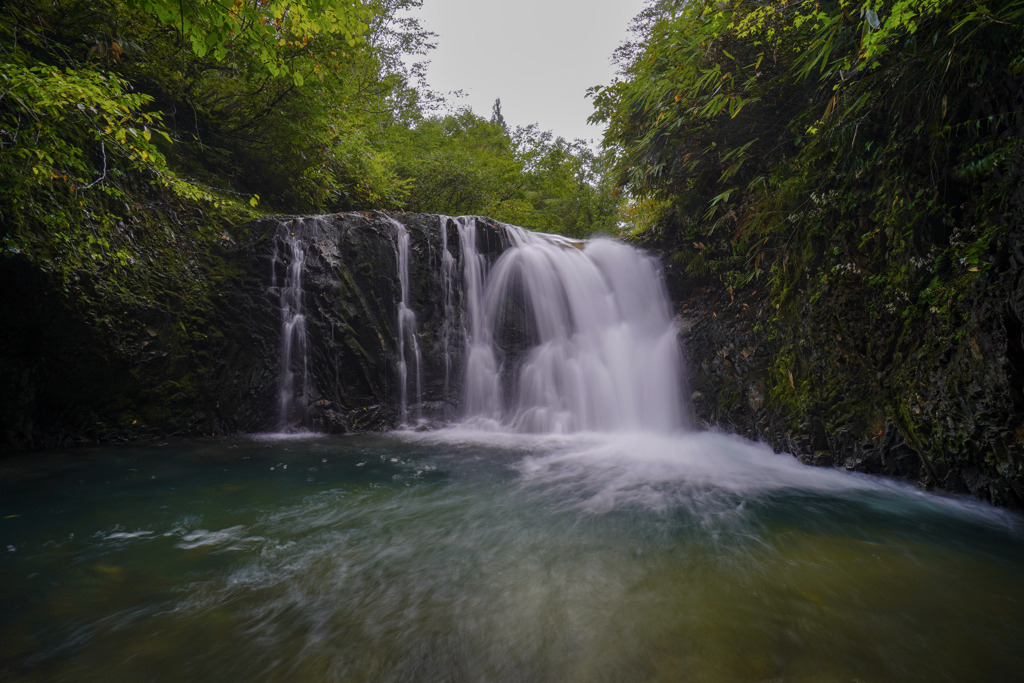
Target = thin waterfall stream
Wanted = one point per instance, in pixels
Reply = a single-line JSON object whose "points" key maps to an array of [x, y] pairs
{"points": [[568, 524], [294, 365], [448, 267], [408, 344]]}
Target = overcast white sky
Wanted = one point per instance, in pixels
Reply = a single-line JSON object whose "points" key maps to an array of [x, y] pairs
{"points": [[538, 56]]}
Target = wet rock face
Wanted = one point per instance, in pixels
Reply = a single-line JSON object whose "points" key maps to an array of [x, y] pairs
{"points": [[348, 282], [837, 384], [352, 290], [183, 344], [197, 351]]}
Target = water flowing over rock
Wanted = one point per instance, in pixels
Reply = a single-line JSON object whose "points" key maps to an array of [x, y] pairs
{"points": [[408, 346], [447, 282], [514, 330], [465, 318], [352, 297], [294, 372], [566, 336]]}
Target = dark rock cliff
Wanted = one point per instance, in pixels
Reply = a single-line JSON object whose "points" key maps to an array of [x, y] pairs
{"points": [[352, 292], [182, 349], [837, 381], [196, 350]]}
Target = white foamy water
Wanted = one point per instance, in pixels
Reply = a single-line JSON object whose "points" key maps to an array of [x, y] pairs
{"points": [[703, 473], [573, 357], [566, 336]]}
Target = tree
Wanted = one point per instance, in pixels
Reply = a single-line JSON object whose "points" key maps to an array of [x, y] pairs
{"points": [[309, 147], [100, 103], [716, 100], [496, 116], [464, 164], [266, 27]]}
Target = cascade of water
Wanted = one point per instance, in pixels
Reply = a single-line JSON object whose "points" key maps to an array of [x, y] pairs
{"points": [[447, 327], [482, 389], [294, 368], [406, 329], [557, 335], [584, 332]]}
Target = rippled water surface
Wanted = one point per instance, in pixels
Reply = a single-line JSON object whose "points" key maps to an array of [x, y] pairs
{"points": [[473, 556]]}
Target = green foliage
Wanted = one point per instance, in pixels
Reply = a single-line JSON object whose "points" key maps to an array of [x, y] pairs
{"points": [[267, 28], [306, 135], [462, 164], [739, 111], [73, 142]]}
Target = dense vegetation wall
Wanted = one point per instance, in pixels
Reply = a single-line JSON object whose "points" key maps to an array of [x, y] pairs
{"points": [[834, 380], [182, 340]]}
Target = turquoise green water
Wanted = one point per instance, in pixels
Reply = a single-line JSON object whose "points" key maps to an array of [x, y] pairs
{"points": [[481, 557]]}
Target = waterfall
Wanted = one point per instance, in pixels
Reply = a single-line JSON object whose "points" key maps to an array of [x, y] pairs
{"points": [[447, 328], [294, 366], [529, 332], [406, 332], [482, 390], [568, 336]]}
